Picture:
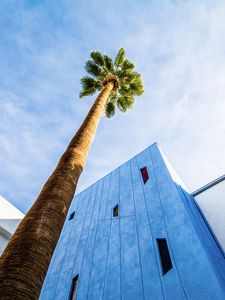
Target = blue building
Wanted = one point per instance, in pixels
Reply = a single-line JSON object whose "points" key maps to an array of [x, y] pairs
{"points": [[136, 234]]}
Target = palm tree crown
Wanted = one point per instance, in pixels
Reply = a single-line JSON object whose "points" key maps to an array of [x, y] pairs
{"points": [[127, 82]]}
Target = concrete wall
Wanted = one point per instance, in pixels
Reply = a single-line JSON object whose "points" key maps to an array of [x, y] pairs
{"points": [[118, 258]]}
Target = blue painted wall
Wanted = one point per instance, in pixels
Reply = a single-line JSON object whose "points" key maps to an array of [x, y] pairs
{"points": [[118, 258]]}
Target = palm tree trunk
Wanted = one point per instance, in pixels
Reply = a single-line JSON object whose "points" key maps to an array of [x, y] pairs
{"points": [[24, 263]]}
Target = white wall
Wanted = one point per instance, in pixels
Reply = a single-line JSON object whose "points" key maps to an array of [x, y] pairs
{"points": [[10, 218], [212, 204], [3, 242]]}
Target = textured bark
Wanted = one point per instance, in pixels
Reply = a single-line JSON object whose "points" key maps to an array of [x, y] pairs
{"points": [[24, 263]]}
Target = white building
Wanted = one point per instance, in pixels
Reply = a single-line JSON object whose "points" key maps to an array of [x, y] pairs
{"points": [[10, 218], [211, 200]]}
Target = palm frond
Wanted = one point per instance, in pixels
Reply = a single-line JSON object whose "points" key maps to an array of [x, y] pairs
{"points": [[121, 104], [137, 88], [108, 63], [125, 102], [124, 88], [135, 79], [128, 66], [120, 57], [97, 58], [132, 76], [93, 69], [89, 86], [85, 93], [120, 74], [129, 100], [114, 98], [110, 110]]}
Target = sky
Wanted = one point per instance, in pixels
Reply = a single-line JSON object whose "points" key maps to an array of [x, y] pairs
{"points": [[177, 46]]}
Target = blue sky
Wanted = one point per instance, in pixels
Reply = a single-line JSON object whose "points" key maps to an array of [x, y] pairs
{"points": [[177, 46]]}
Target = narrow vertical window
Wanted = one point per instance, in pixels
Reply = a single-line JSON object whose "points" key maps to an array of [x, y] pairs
{"points": [[144, 173], [73, 288], [71, 215], [164, 255], [116, 211]]}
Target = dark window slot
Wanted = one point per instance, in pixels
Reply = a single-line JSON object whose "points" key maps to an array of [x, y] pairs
{"points": [[164, 255], [73, 288], [71, 215], [144, 173], [116, 211]]}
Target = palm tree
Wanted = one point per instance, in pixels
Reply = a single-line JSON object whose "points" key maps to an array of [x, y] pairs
{"points": [[24, 263]]}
